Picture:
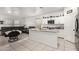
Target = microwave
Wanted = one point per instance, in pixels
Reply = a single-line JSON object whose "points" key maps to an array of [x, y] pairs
{"points": [[51, 22]]}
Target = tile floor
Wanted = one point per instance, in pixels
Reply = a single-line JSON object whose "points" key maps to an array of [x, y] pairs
{"points": [[25, 44]]}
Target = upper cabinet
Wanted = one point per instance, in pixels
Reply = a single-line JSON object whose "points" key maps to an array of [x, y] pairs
{"points": [[71, 11]]}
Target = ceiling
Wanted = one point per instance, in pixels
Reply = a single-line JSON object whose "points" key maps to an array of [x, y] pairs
{"points": [[29, 11]]}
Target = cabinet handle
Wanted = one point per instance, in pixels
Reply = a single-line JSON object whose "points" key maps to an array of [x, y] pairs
{"points": [[73, 29]]}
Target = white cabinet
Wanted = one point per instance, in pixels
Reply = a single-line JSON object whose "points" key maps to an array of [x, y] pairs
{"points": [[46, 37], [61, 33]]}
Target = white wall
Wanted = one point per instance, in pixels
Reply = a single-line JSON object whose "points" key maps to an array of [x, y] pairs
{"points": [[30, 21], [69, 24]]}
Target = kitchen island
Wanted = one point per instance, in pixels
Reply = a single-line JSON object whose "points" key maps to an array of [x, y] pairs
{"points": [[48, 37]]}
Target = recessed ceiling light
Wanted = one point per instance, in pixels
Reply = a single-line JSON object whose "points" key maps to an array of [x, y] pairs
{"points": [[9, 12], [41, 7]]}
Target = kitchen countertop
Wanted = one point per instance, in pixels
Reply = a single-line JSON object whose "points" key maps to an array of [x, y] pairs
{"points": [[53, 30]]}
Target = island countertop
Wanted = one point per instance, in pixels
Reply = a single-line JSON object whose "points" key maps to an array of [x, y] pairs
{"points": [[47, 30]]}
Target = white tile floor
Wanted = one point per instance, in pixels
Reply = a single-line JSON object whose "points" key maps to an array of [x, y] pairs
{"points": [[25, 44]]}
